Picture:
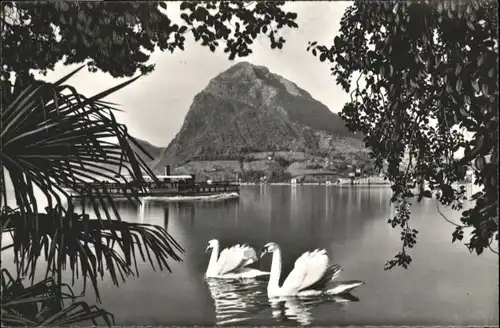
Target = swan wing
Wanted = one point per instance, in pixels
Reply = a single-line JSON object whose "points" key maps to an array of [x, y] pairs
{"points": [[249, 255], [332, 272], [309, 269], [235, 257], [344, 287], [221, 260]]}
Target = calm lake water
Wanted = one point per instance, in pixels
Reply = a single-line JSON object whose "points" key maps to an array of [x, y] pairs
{"points": [[445, 284]]}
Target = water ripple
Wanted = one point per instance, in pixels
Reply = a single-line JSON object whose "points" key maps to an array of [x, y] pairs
{"points": [[240, 301], [299, 310], [237, 301]]}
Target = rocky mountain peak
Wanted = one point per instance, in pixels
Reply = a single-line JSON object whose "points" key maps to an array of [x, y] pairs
{"points": [[248, 107]]}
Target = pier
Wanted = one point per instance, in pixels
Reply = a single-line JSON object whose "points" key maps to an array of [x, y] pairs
{"points": [[163, 186], [159, 189]]}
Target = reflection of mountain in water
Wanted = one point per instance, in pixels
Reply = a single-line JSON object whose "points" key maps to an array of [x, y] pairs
{"points": [[237, 301], [300, 309]]}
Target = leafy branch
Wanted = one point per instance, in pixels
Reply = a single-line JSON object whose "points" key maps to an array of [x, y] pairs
{"points": [[50, 32], [436, 63]]}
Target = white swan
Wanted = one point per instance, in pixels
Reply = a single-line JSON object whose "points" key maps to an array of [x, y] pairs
{"points": [[232, 262], [312, 275]]}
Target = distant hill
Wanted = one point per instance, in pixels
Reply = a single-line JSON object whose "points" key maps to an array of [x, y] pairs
{"points": [[248, 109], [155, 151]]}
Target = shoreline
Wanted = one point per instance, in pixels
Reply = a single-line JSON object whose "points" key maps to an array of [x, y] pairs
{"points": [[317, 184], [337, 185]]}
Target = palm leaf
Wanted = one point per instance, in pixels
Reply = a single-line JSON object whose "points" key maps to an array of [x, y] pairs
{"points": [[88, 244], [38, 305], [52, 137], [50, 125]]}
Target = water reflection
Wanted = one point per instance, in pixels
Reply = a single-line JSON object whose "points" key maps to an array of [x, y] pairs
{"points": [[237, 301], [350, 223], [166, 217], [149, 209], [142, 213], [300, 309]]}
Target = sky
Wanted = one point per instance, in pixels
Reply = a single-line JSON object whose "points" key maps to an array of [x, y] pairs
{"points": [[155, 105]]}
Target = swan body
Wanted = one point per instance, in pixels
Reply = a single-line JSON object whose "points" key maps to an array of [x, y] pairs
{"points": [[232, 262], [312, 275]]}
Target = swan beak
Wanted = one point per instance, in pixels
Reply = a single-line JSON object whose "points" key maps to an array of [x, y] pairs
{"points": [[263, 252], [207, 249]]}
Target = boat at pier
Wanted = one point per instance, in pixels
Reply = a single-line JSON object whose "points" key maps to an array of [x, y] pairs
{"points": [[162, 187]]}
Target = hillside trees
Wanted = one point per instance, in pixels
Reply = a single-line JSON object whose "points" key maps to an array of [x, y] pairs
{"points": [[425, 84], [252, 176], [282, 161], [278, 175]]}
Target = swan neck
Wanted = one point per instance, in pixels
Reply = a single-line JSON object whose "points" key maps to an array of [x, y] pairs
{"points": [[213, 259], [274, 276]]}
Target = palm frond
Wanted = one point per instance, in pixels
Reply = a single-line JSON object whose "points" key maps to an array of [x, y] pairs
{"points": [[52, 136], [38, 305], [90, 246]]}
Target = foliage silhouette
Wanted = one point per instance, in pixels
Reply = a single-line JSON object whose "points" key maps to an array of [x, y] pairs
{"points": [[119, 38], [39, 305], [54, 137], [425, 77]]}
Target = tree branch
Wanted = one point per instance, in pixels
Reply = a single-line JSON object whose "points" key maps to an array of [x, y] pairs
{"points": [[444, 217]]}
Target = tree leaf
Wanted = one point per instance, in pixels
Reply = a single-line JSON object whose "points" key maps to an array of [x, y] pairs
{"points": [[480, 60], [480, 162], [146, 25], [453, 88], [484, 88], [475, 85], [336, 41], [467, 99]]}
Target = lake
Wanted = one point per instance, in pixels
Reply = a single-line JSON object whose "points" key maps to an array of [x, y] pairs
{"points": [[445, 285]]}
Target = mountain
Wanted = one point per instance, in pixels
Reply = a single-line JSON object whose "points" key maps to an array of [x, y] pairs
{"points": [[155, 151], [246, 109]]}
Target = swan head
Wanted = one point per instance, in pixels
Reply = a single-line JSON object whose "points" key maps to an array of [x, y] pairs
{"points": [[211, 244], [268, 248]]}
